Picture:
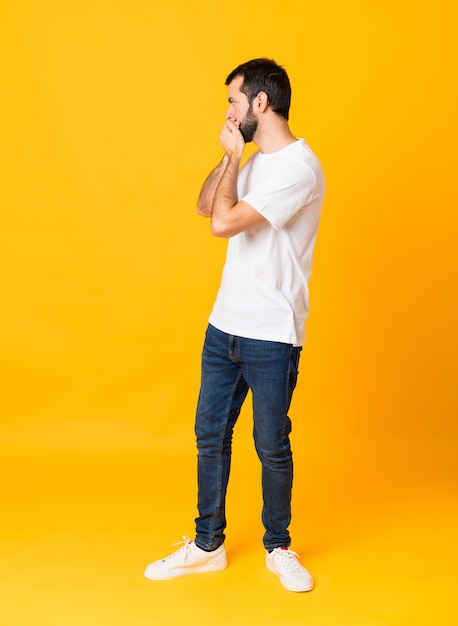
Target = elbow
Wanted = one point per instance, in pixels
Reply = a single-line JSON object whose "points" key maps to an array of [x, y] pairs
{"points": [[220, 229], [202, 210]]}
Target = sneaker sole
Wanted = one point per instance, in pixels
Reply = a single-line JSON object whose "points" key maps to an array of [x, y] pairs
{"points": [[217, 565], [297, 589]]}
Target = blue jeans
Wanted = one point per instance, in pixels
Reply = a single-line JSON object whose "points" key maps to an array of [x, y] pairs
{"points": [[230, 366]]}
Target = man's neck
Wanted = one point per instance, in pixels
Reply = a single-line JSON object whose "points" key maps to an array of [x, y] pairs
{"points": [[273, 136]]}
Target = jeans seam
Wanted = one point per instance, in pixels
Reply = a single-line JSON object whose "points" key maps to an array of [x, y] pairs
{"points": [[221, 441]]}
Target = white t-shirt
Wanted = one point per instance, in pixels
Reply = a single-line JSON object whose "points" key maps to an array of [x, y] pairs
{"points": [[264, 287]]}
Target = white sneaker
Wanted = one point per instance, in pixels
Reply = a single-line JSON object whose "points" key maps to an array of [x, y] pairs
{"points": [[189, 559], [285, 564]]}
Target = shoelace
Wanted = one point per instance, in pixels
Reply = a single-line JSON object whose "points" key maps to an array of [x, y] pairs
{"points": [[289, 560], [186, 543]]}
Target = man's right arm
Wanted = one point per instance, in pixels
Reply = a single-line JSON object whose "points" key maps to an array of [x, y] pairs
{"points": [[207, 193]]}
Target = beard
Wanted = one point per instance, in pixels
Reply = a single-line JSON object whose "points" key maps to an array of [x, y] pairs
{"points": [[248, 126]]}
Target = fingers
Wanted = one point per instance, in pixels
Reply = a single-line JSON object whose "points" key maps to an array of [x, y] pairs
{"points": [[233, 120], [226, 134], [230, 129], [231, 139]]}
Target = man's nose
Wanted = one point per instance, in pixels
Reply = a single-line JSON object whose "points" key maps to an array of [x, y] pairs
{"points": [[229, 115]]}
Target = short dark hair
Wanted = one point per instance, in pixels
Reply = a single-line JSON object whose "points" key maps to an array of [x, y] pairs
{"points": [[265, 75]]}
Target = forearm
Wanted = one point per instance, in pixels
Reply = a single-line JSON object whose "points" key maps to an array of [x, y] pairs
{"points": [[207, 193], [225, 197]]}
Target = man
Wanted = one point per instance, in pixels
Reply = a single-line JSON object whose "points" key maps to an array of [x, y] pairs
{"points": [[270, 210]]}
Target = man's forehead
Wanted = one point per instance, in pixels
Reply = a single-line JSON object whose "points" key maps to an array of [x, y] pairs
{"points": [[234, 86]]}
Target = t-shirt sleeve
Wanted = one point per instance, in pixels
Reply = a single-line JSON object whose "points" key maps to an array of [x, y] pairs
{"points": [[279, 196]]}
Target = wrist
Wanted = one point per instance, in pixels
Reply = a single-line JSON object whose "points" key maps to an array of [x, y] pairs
{"points": [[234, 158]]}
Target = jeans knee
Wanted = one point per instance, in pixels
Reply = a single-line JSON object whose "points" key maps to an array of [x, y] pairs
{"points": [[274, 456]]}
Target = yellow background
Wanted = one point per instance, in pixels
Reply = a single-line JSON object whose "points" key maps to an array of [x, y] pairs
{"points": [[110, 115]]}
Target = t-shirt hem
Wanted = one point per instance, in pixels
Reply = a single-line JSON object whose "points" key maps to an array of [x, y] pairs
{"points": [[237, 332]]}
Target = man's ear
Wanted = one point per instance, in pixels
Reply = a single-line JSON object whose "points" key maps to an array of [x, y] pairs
{"points": [[262, 101]]}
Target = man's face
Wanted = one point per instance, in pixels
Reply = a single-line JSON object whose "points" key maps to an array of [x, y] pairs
{"points": [[240, 111]]}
